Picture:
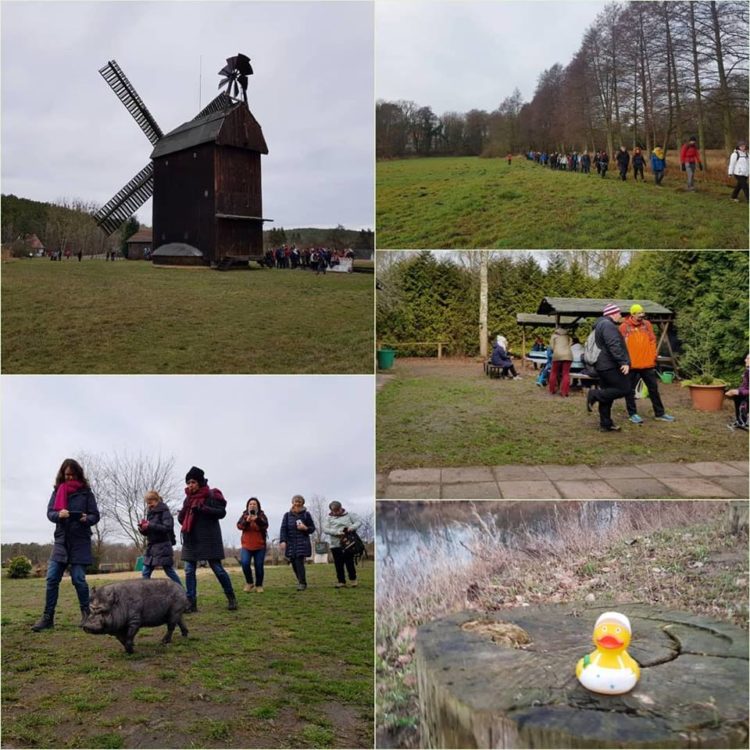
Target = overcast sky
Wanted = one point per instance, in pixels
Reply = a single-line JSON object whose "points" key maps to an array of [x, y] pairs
{"points": [[65, 133], [457, 56], [269, 437]]}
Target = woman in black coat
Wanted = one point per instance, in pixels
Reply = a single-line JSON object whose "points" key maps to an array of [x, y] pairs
{"points": [[294, 538], [201, 534], [72, 508], [158, 528]]}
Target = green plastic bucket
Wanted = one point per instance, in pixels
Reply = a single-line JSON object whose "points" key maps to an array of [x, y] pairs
{"points": [[386, 358], [667, 377], [139, 563]]}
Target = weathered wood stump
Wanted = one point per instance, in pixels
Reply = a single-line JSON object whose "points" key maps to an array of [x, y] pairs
{"points": [[507, 680]]}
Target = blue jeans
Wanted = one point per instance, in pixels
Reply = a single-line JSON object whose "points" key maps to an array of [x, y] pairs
{"points": [[256, 557], [221, 575], [168, 569], [55, 572]]}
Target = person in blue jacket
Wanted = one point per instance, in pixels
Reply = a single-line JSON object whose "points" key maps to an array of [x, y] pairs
{"points": [[658, 164], [72, 508], [294, 538], [500, 358]]}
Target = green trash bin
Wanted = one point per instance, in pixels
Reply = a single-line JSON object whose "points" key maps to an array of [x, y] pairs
{"points": [[386, 358], [139, 564]]}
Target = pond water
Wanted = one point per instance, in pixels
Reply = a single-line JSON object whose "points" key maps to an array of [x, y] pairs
{"points": [[407, 532]]}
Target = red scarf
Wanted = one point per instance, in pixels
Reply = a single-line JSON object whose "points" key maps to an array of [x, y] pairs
{"points": [[192, 502], [63, 491]]}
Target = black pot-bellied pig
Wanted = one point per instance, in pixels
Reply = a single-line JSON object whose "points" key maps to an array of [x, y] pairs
{"points": [[122, 609]]}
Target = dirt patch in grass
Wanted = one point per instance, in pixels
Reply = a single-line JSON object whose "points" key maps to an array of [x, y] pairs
{"points": [[672, 554], [288, 669], [448, 413]]}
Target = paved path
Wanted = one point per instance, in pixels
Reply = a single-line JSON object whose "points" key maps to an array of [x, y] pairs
{"points": [[702, 480]]}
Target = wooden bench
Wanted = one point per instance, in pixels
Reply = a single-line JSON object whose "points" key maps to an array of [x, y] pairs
{"points": [[495, 371], [581, 379]]}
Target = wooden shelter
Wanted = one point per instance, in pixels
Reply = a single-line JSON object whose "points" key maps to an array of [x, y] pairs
{"points": [[207, 186], [139, 244], [563, 308], [532, 320]]}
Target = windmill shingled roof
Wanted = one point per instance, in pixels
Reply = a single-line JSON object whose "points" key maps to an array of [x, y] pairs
{"points": [[204, 129]]}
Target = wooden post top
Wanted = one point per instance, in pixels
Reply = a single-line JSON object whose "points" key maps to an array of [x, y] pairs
{"points": [[507, 679]]}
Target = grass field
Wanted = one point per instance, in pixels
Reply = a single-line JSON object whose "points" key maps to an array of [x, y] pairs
{"points": [[287, 669], [468, 202], [449, 413], [130, 317]]}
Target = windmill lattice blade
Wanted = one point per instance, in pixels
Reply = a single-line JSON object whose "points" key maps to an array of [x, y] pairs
{"points": [[127, 201], [125, 92]]}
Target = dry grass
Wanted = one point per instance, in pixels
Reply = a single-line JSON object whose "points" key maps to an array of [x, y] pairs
{"points": [[672, 554]]}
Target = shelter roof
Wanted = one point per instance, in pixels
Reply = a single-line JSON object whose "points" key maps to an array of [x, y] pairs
{"points": [[532, 319], [207, 129], [142, 235], [589, 308]]}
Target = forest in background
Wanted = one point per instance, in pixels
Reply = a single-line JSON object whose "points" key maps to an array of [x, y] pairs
{"points": [[647, 73], [429, 296]]}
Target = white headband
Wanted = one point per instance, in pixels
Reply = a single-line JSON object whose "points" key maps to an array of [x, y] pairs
{"points": [[616, 617]]}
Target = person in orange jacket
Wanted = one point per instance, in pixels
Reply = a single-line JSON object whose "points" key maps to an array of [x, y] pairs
{"points": [[640, 340], [690, 157]]}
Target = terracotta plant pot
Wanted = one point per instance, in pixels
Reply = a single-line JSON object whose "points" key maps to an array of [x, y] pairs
{"points": [[707, 397]]}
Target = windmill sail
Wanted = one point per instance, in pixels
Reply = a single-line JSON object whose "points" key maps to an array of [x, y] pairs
{"points": [[119, 83], [127, 201]]}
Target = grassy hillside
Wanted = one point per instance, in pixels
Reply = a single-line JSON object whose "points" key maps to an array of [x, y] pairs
{"points": [[467, 202], [130, 317]]}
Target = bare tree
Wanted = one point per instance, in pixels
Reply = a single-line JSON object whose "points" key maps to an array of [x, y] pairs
{"points": [[367, 529], [318, 507], [120, 481]]}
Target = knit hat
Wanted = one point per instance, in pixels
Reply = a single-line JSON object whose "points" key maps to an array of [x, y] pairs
{"points": [[636, 308], [197, 474], [611, 309], [615, 617], [693, 138]]}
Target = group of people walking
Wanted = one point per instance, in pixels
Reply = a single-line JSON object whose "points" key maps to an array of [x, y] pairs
{"points": [[690, 162], [316, 259], [73, 509]]}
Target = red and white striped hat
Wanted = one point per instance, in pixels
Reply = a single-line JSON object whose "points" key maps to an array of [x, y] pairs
{"points": [[611, 309]]}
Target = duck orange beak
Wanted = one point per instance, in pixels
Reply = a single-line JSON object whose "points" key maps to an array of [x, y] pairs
{"points": [[609, 641]]}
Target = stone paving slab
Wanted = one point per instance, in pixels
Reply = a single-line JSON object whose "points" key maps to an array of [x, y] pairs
{"points": [[463, 474], [668, 470], [737, 485], [471, 491], [518, 473], [743, 466], [592, 489], [608, 473], [580, 471], [528, 490], [414, 476], [700, 488], [714, 469], [412, 492], [636, 489]]}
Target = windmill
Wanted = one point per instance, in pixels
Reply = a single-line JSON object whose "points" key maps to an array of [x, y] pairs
{"points": [[204, 175]]}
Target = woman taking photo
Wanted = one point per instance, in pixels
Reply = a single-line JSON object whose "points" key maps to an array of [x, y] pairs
{"points": [[294, 538], [72, 508], [254, 527]]}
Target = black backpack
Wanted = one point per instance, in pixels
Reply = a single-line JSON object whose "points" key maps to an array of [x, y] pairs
{"points": [[352, 544]]}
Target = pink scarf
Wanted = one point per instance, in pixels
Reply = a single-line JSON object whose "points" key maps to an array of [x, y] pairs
{"points": [[63, 491], [191, 503]]}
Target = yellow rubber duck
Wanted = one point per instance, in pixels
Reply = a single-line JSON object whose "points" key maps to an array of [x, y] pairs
{"points": [[609, 669]]}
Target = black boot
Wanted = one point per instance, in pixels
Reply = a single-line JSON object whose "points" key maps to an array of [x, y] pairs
{"points": [[47, 620], [84, 614], [232, 601], [193, 605]]}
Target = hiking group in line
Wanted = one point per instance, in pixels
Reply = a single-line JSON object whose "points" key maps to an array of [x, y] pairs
{"points": [[73, 509], [690, 162]]}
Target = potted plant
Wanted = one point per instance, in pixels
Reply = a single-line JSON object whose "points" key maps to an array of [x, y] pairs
{"points": [[699, 361]]}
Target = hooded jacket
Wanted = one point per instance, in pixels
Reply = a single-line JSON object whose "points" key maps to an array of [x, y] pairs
{"points": [[335, 525], [297, 541], [640, 340], [72, 536], [204, 541], [561, 343], [613, 352], [738, 163], [159, 535]]}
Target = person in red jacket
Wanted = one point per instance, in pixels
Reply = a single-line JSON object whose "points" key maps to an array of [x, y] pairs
{"points": [[690, 157], [254, 527], [641, 343]]}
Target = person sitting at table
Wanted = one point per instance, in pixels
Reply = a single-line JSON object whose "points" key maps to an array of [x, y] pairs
{"points": [[543, 377], [576, 349], [500, 358], [539, 345]]}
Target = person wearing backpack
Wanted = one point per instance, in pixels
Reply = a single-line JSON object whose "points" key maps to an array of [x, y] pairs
{"points": [[158, 528], [640, 340], [201, 512], [738, 168], [612, 364], [339, 523], [658, 164], [690, 158]]}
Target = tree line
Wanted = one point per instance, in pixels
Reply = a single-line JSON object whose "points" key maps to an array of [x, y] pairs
{"points": [[646, 73], [435, 297]]}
